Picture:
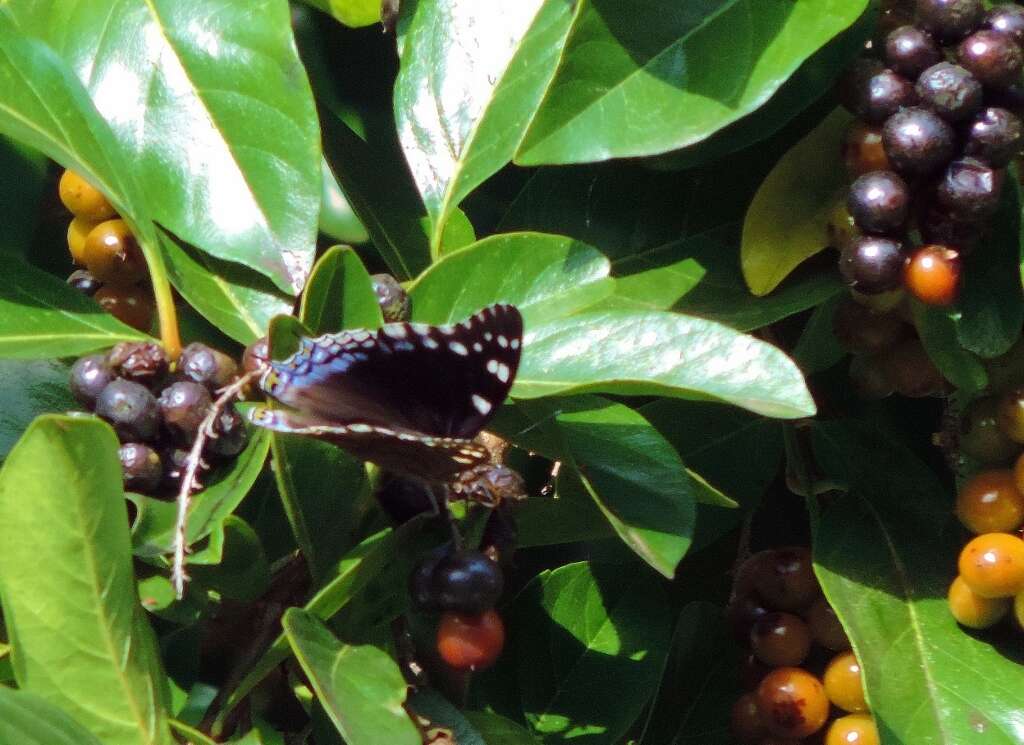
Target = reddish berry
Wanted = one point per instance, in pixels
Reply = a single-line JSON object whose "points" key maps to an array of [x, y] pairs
{"points": [[932, 275], [470, 642]]}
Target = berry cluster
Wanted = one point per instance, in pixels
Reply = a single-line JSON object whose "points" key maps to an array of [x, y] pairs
{"points": [[937, 127], [100, 241], [887, 355], [777, 608], [157, 411]]}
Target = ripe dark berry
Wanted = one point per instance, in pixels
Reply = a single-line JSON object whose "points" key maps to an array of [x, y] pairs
{"points": [[872, 264], [83, 199], [994, 58], [785, 579], [1008, 19], [470, 642], [231, 434], [141, 467], [950, 91], [113, 255], [825, 627], [743, 611], [83, 281], [780, 639], [207, 366], [913, 371], [996, 136], [932, 275], [131, 409], [130, 305], [938, 225], [143, 362], [910, 51], [862, 149], [256, 355], [917, 141], [860, 330], [745, 720], [184, 405], [422, 588], [970, 189], [885, 93], [467, 582], [979, 436], [792, 702], [878, 202], [853, 83], [949, 20], [175, 461], [89, 376], [402, 499], [393, 299]]}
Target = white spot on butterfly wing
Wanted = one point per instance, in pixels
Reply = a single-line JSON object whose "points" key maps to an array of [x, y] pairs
{"points": [[361, 428], [482, 404], [503, 372], [514, 344], [459, 348], [492, 366], [478, 347], [395, 330], [502, 341], [429, 342]]}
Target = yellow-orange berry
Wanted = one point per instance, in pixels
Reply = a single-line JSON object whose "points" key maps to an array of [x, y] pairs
{"points": [[932, 275], [991, 503], [793, 702], [83, 199], [843, 684], [992, 565], [78, 229], [853, 729], [973, 611], [113, 255]]}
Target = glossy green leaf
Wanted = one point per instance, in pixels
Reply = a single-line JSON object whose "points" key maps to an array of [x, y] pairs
{"points": [[337, 218], [360, 687], [26, 719], [22, 176], [182, 83], [29, 388], [41, 316], [545, 276], [339, 294], [237, 301], [788, 219], [690, 68], [497, 730], [436, 714], [817, 348], [885, 554], [472, 76], [578, 627], [100, 663], [656, 353], [990, 310], [243, 573], [938, 334], [353, 13]]}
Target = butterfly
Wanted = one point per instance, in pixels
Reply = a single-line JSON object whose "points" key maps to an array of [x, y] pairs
{"points": [[408, 397]]}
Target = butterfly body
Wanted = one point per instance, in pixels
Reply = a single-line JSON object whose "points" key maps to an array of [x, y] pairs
{"points": [[408, 397]]}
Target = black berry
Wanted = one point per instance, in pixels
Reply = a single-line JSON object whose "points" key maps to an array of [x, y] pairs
{"points": [[231, 435], [131, 409], [1007, 19], [938, 225], [83, 281], [995, 137], [89, 376], [393, 299], [422, 591], [970, 189], [872, 264], [402, 499], [949, 90], [853, 83], [992, 57], [878, 202], [910, 51], [184, 405], [949, 20], [142, 362], [210, 367], [860, 330], [917, 141], [886, 92], [467, 582], [141, 467]]}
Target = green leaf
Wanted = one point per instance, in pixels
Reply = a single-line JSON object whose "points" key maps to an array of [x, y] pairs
{"points": [[990, 310], [339, 294], [885, 554], [938, 334], [29, 388], [690, 68], [788, 219], [497, 730], [817, 349], [237, 301], [656, 353], [360, 687], [354, 13], [26, 719], [576, 629], [41, 316], [441, 714], [472, 76], [182, 83], [546, 276], [337, 218], [100, 663], [22, 178], [243, 574]]}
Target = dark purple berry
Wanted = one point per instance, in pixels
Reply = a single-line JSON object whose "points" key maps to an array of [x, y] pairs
{"points": [[995, 137], [131, 409], [853, 83], [939, 226], [89, 376], [256, 355], [467, 582], [910, 51], [184, 405], [917, 141], [141, 467], [949, 20], [422, 591], [886, 93], [140, 361], [992, 57], [872, 264], [83, 281], [175, 461], [202, 364], [402, 499], [231, 435], [1007, 19], [970, 189], [950, 91], [878, 202], [393, 299]]}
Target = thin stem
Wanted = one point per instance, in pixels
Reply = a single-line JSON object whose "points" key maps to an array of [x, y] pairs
{"points": [[166, 313]]}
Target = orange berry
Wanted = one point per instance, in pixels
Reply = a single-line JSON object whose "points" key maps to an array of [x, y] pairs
{"points": [[853, 729], [470, 642], [113, 255], [1018, 609], [843, 684], [973, 611], [78, 229], [83, 199], [130, 305], [745, 719], [932, 275], [992, 565], [991, 503], [793, 702], [863, 151]]}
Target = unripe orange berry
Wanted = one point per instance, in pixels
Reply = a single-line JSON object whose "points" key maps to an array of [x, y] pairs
{"points": [[973, 611], [843, 684], [470, 642], [853, 729], [83, 199], [932, 275], [990, 503], [793, 702], [78, 229], [992, 565]]}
